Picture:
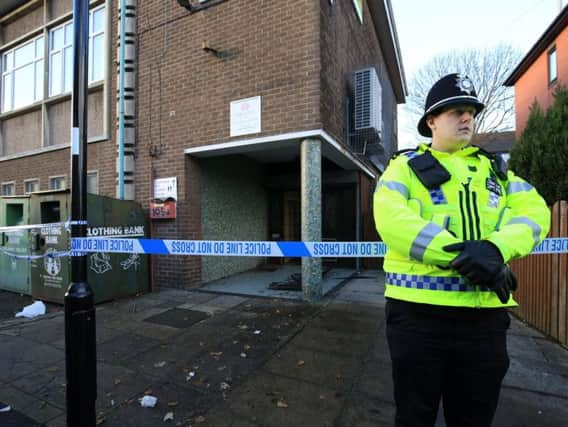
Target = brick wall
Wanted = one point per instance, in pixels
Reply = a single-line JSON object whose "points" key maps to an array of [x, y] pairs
{"points": [[533, 84], [346, 46], [267, 49], [23, 136]]}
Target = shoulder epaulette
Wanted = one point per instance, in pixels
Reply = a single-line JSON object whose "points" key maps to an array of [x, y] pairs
{"points": [[408, 152]]}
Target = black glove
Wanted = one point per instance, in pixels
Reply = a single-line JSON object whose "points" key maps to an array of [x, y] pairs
{"points": [[479, 261], [503, 283]]}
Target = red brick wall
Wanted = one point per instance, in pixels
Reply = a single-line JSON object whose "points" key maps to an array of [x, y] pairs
{"points": [[269, 49], [533, 84], [346, 45], [100, 155]]}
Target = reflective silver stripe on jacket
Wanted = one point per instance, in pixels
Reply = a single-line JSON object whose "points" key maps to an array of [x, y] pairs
{"points": [[533, 225], [423, 239], [517, 187], [394, 186]]}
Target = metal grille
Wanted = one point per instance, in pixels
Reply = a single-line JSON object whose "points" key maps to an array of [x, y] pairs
{"points": [[367, 100]]}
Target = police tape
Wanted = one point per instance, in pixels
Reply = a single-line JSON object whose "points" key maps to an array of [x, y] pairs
{"points": [[28, 257], [14, 228], [82, 245], [258, 248], [229, 248]]}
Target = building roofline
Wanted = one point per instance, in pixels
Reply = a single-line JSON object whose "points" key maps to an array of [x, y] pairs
{"points": [[383, 19], [553, 30]]}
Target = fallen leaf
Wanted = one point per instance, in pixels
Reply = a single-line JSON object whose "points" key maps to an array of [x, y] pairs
{"points": [[224, 386], [160, 364], [281, 403], [53, 369], [200, 419], [216, 353], [222, 368], [257, 332], [169, 417], [100, 420], [172, 404], [300, 363], [117, 381], [247, 347], [243, 355]]}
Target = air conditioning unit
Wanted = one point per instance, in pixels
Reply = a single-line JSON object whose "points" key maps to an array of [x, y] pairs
{"points": [[368, 111]]}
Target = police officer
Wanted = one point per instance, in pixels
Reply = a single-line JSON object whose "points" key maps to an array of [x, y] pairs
{"points": [[452, 217]]}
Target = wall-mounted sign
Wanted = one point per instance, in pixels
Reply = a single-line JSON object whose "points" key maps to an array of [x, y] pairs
{"points": [[165, 188], [163, 210], [245, 116]]}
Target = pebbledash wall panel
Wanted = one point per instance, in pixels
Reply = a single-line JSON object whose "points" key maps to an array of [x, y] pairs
{"points": [[233, 203]]}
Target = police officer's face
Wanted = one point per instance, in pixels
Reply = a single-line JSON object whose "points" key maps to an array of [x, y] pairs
{"points": [[452, 129]]}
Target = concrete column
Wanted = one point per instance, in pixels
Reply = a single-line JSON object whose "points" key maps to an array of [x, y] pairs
{"points": [[311, 215]]}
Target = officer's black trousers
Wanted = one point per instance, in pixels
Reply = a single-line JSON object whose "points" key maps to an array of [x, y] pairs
{"points": [[458, 355]]}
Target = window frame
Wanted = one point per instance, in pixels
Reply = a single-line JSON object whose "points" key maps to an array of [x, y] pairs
{"points": [[54, 177], [94, 173], [63, 89], [5, 72], [549, 54], [11, 184], [27, 181]]}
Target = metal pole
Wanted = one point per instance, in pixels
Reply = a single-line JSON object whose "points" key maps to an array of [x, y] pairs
{"points": [[80, 327]]}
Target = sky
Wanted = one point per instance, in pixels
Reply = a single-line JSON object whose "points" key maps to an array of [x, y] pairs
{"points": [[426, 28]]}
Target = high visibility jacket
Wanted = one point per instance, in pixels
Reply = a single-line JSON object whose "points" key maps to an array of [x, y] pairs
{"points": [[474, 204]]}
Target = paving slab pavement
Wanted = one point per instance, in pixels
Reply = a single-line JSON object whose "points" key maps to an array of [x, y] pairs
{"points": [[233, 360]]}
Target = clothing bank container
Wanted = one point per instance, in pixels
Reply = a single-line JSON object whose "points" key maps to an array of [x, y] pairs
{"points": [[110, 275], [15, 271]]}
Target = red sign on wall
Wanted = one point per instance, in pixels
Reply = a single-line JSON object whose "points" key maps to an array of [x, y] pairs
{"points": [[163, 209]]}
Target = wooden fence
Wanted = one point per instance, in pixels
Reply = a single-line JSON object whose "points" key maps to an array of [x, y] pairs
{"points": [[543, 284]]}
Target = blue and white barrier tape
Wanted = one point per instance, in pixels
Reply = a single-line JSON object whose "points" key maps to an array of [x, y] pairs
{"points": [[67, 225], [230, 248], [83, 245], [260, 248]]}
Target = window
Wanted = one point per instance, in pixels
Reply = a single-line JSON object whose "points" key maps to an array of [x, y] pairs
{"points": [[552, 65], [8, 188], [61, 53], [31, 185], [57, 182], [358, 4], [61, 59], [93, 182], [22, 75]]}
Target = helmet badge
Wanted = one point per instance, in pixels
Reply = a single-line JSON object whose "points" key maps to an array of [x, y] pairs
{"points": [[464, 84]]}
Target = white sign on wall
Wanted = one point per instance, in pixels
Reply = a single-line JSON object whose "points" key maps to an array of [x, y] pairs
{"points": [[165, 188], [245, 116]]}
